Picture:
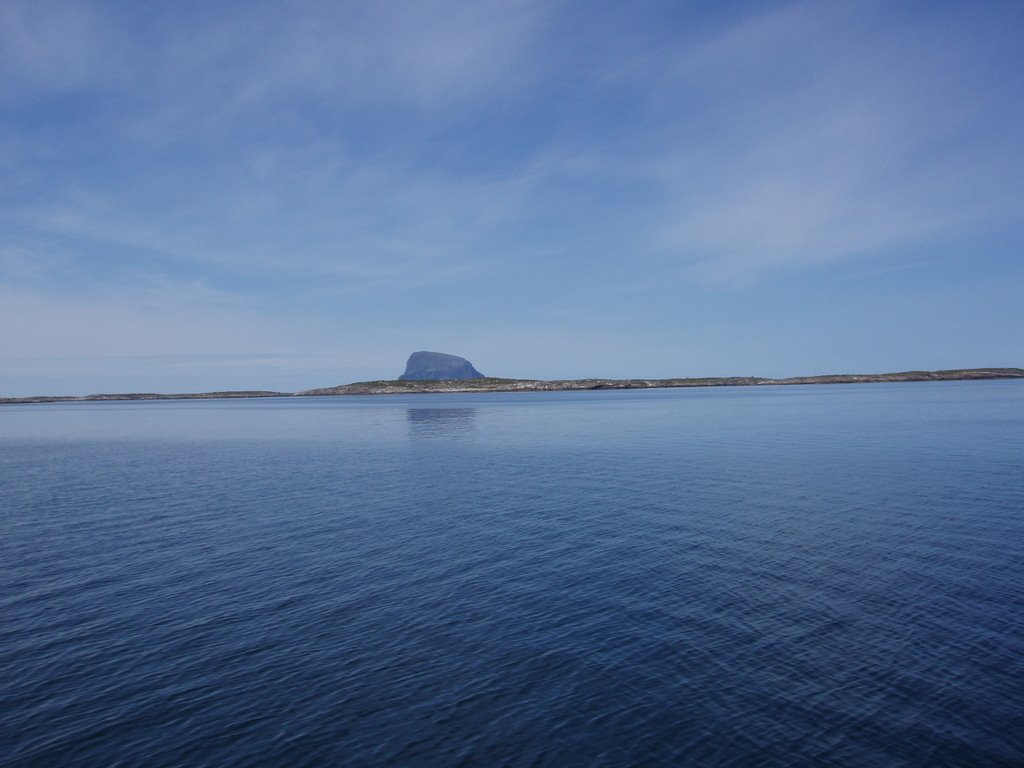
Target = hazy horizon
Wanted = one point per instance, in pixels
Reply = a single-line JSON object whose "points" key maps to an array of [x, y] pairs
{"points": [[203, 197]]}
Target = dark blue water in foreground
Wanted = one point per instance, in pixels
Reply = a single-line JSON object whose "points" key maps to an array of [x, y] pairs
{"points": [[775, 576]]}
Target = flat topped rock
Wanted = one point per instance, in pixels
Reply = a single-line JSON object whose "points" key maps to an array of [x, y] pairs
{"points": [[437, 366]]}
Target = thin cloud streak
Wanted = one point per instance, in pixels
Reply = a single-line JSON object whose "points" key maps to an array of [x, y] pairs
{"points": [[846, 151]]}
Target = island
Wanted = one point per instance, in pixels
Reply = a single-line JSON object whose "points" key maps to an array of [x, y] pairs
{"points": [[560, 385], [491, 384]]}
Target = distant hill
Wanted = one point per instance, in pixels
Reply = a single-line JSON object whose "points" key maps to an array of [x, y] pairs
{"points": [[438, 366]]}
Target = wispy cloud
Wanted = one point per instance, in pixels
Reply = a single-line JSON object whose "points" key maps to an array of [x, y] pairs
{"points": [[52, 48], [832, 134]]}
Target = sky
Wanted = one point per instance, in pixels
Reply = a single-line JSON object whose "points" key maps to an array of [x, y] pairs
{"points": [[200, 196]]}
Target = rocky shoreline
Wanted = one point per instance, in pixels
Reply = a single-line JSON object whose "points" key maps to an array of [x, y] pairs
{"points": [[398, 387]]}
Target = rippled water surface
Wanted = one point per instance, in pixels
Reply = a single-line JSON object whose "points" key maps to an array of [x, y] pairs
{"points": [[754, 576]]}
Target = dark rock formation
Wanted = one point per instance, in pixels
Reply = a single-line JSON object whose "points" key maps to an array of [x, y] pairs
{"points": [[437, 366]]}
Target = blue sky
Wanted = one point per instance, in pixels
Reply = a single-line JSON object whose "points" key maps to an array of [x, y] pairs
{"points": [[214, 195]]}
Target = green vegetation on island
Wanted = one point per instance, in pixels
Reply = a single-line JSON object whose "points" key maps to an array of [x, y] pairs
{"points": [[490, 384]]}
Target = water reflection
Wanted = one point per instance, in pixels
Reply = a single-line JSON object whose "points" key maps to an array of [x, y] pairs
{"points": [[440, 422]]}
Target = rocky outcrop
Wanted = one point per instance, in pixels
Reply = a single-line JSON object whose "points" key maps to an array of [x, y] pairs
{"points": [[437, 366]]}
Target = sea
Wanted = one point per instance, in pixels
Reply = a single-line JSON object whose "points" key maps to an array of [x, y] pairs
{"points": [[751, 576]]}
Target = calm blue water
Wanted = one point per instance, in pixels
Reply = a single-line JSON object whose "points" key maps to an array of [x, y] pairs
{"points": [[775, 576]]}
